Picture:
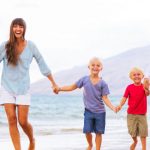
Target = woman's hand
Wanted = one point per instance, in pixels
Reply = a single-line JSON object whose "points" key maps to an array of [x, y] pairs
{"points": [[55, 89]]}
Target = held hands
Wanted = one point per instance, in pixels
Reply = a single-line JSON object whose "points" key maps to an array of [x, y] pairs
{"points": [[114, 109], [118, 108], [55, 89]]}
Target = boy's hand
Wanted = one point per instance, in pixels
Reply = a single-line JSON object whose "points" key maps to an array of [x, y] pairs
{"points": [[115, 109], [146, 84], [118, 108]]}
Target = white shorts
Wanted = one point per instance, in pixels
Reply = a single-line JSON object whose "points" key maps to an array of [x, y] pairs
{"points": [[9, 98]]}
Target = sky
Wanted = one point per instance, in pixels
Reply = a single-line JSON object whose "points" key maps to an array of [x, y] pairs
{"points": [[69, 32]]}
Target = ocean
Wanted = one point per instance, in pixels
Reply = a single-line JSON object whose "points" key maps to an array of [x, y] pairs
{"points": [[58, 121]]}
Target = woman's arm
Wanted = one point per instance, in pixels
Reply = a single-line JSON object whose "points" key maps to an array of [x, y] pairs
{"points": [[50, 77], [54, 85], [2, 51], [44, 69]]}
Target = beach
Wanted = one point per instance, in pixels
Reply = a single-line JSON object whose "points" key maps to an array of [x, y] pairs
{"points": [[75, 141], [58, 122]]}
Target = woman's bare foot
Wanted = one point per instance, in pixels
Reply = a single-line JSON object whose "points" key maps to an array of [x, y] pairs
{"points": [[32, 145]]}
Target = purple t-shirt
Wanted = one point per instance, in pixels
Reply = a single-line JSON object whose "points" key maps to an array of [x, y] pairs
{"points": [[92, 94]]}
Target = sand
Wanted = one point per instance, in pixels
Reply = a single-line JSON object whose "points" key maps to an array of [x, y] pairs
{"points": [[73, 142]]}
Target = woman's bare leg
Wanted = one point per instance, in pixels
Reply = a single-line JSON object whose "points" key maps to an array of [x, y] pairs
{"points": [[26, 126], [10, 110]]}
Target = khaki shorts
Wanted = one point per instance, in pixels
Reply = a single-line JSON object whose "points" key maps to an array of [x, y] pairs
{"points": [[137, 125]]}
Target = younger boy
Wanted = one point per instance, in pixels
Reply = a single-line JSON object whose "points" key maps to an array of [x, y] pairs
{"points": [[136, 93], [94, 96]]}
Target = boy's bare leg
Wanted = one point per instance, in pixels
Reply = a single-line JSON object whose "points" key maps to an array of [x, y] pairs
{"points": [[98, 141], [89, 140], [143, 141], [133, 145]]}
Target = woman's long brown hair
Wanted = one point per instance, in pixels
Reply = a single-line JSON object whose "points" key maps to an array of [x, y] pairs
{"points": [[11, 53]]}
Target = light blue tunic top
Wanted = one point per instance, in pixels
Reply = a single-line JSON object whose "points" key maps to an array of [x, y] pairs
{"points": [[15, 79], [92, 94]]}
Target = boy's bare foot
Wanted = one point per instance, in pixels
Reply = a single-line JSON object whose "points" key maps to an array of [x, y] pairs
{"points": [[32, 145], [133, 145], [89, 148]]}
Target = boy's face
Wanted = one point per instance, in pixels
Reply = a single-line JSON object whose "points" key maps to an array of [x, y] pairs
{"points": [[95, 67], [137, 77]]}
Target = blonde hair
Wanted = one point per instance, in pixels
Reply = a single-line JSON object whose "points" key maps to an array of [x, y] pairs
{"points": [[135, 69], [97, 59]]}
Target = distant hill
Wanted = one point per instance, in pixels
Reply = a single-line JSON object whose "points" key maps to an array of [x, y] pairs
{"points": [[115, 72]]}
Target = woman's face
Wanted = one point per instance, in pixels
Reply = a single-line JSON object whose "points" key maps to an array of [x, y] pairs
{"points": [[18, 31]]}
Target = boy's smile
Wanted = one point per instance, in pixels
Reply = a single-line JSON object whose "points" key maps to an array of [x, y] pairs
{"points": [[95, 67], [137, 77]]}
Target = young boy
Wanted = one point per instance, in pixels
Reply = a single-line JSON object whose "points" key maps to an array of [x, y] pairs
{"points": [[94, 96], [136, 93]]}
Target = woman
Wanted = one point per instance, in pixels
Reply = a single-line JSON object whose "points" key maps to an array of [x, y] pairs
{"points": [[17, 54]]}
